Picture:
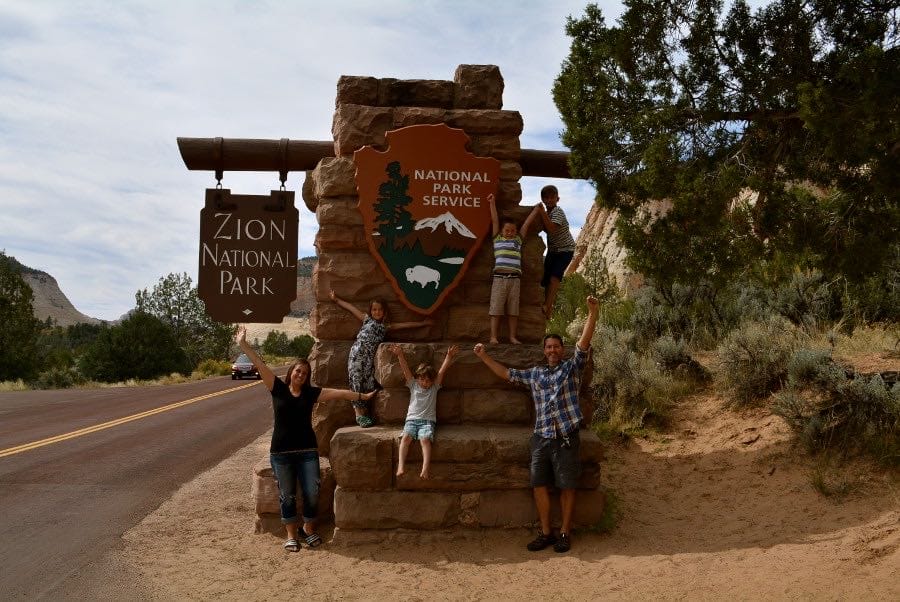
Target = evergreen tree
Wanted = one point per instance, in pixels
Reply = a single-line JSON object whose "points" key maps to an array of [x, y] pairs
{"points": [[175, 301], [20, 329], [797, 101], [142, 346], [391, 216]]}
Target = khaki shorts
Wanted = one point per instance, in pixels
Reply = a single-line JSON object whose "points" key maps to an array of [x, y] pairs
{"points": [[504, 296]]}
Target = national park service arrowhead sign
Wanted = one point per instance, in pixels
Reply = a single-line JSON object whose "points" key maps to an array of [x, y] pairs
{"points": [[425, 209]]}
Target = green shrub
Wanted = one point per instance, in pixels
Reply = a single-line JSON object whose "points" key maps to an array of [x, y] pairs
{"points": [[276, 343], [301, 345], [754, 360], [672, 356], [58, 378], [630, 389], [807, 300], [832, 411], [212, 367], [690, 312]]}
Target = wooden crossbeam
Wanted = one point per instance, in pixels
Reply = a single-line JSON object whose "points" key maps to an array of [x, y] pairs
{"points": [[250, 154]]}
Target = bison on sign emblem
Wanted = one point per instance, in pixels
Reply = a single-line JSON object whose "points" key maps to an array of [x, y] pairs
{"points": [[425, 210]]}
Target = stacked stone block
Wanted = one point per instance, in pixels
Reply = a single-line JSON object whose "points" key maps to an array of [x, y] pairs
{"points": [[480, 460]]}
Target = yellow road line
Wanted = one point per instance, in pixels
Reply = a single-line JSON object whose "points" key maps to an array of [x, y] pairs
{"points": [[99, 427]]}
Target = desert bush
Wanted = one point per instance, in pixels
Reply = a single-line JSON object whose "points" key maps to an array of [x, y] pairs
{"points": [[696, 313], [754, 360], [671, 354], [833, 410], [211, 367], [13, 385], [807, 299], [630, 389], [57, 378]]}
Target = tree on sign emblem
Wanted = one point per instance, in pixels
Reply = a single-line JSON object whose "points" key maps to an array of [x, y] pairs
{"points": [[424, 206]]}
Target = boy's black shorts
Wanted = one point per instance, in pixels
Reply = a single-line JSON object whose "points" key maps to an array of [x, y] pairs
{"points": [[555, 265]]}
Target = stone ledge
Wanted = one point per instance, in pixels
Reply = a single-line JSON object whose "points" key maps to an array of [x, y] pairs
{"points": [[464, 458], [359, 514]]}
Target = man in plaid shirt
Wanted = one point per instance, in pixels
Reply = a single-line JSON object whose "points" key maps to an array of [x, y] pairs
{"points": [[555, 442]]}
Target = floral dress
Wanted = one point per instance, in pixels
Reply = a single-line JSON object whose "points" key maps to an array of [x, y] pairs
{"points": [[361, 365]]}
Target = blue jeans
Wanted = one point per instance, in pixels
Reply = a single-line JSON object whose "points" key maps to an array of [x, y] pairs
{"points": [[289, 467]]}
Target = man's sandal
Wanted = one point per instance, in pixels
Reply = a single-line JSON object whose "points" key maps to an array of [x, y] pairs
{"points": [[563, 544], [541, 542], [292, 545]]}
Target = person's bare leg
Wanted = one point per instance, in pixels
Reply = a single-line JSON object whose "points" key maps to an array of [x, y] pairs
{"points": [[291, 529], [513, 329], [495, 327], [550, 297], [567, 506], [308, 528], [542, 503], [405, 440], [426, 459]]}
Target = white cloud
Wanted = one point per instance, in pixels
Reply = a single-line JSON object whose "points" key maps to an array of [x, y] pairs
{"points": [[93, 95]]}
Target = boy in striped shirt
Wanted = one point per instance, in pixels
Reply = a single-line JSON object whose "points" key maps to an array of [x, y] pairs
{"points": [[507, 273]]}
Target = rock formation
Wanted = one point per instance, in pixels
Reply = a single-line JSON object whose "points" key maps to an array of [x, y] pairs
{"points": [[50, 302], [480, 457]]}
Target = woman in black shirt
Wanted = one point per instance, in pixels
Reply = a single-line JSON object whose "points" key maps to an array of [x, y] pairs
{"points": [[294, 450]]}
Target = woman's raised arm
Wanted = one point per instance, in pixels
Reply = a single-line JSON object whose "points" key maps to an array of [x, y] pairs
{"points": [[265, 373]]}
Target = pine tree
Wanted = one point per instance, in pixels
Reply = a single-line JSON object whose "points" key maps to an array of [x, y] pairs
{"points": [[20, 330], [797, 101]]}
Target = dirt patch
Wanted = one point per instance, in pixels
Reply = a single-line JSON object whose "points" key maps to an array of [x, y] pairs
{"points": [[720, 507]]}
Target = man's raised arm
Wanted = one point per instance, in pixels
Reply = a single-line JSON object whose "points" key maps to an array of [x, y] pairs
{"points": [[496, 367], [587, 332]]}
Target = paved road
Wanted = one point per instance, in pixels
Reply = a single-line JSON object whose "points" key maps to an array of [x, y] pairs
{"points": [[65, 504]]}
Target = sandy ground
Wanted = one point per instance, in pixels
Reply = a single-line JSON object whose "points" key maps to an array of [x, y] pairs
{"points": [[722, 507]]}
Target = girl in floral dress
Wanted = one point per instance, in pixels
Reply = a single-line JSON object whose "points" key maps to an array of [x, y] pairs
{"points": [[361, 364]]}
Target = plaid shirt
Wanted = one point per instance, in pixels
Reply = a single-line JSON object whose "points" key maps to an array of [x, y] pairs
{"points": [[555, 394]]}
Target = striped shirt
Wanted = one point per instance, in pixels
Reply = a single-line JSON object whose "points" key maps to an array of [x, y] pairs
{"points": [[507, 255], [555, 394], [561, 240]]}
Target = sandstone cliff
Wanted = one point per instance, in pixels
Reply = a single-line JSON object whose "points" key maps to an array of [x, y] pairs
{"points": [[50, 302], [598, 239]]}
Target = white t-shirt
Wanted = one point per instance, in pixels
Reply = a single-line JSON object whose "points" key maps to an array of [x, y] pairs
{"points": [[422, 402]]}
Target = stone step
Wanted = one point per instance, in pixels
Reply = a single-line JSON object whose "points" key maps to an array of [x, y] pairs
{"points": [[471, 393], [264, 491], [464, 458], [456, 406], [378, 510]]}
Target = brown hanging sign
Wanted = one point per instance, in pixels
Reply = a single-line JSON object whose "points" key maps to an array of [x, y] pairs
{"points": [[425, 209], [248, 255]]}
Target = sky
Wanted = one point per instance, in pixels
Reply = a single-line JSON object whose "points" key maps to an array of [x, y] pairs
{"points": [[93, 95]]}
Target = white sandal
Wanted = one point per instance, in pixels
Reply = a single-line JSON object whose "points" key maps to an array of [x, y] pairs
{"points": [[292, 545]]}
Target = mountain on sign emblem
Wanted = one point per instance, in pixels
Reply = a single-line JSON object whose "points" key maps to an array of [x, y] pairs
{"points": [[425, 209]]}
